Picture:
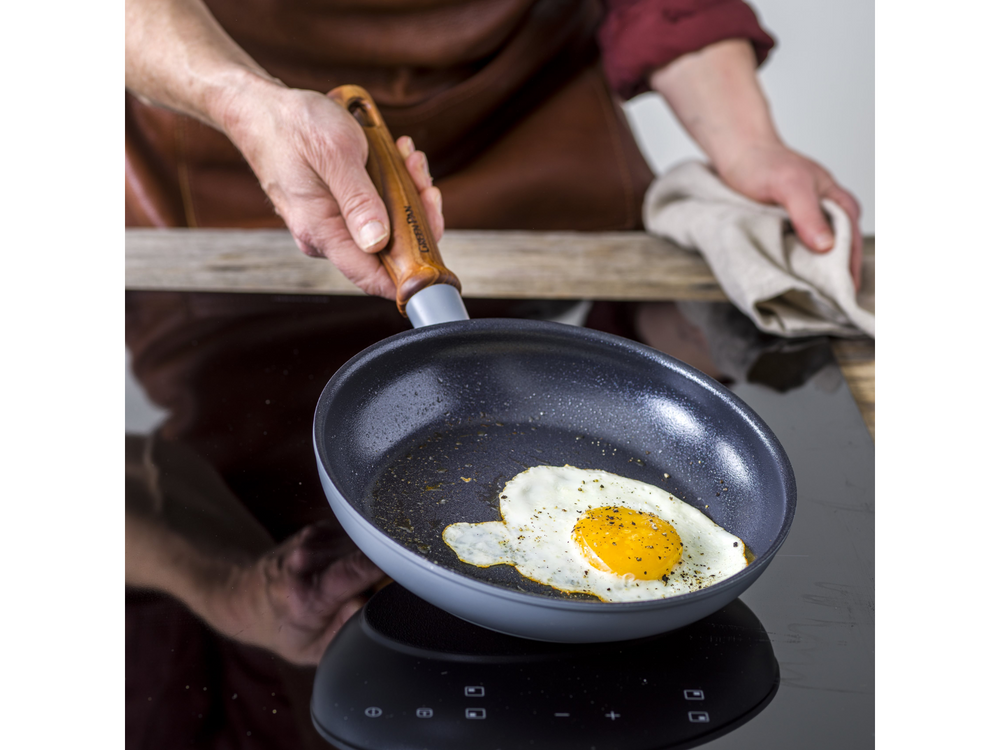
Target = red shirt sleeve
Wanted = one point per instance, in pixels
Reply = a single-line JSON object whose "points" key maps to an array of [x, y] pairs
{"points": [[638, 36]]}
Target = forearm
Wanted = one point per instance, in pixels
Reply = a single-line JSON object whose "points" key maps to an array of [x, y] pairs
{"points": [[291, 601], [186, 534], [717, 98], [160, 559], [178, 56]]}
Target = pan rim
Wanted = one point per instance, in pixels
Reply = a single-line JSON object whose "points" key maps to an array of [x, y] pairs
{"points": [[768, 439]]}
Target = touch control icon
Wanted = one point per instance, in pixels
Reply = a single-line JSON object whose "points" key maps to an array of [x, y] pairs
{"points": [[694, 695], [425, 713], [475, 713], [373, 712], [698, 717], [474, 691]]}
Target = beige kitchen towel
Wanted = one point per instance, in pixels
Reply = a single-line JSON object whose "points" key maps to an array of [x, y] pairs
{"points": [[763, 268]]}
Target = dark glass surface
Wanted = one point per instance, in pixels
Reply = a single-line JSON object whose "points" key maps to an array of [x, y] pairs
{"points": [[817, 599], [815, 602]]}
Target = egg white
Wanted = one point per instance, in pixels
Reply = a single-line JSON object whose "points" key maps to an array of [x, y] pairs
{"points": [[540, 507]]}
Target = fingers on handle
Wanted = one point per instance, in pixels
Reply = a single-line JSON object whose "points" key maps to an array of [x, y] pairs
{"points": [[318, 234], [360, 205], [405, 145], [435, 213], [419, 169], [363, 210]]}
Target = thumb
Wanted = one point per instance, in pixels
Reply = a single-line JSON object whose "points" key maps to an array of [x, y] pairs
{"points": [[363, 210]]}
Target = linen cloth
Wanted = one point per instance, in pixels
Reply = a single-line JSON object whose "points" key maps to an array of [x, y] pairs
{"points": [[761, 265]]}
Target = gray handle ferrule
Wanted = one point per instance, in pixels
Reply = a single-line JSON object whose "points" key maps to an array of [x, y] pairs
{"points": [[440, 303]]}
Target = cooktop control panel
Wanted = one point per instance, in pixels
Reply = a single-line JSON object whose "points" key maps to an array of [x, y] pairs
{"points": [[404, 674]]}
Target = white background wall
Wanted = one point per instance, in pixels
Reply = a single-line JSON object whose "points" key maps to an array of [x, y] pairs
{"points": [[820, 80]]}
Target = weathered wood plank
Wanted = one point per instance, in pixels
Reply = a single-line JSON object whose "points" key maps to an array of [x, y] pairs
{"points": [[517, 265], [857, 361], [856, 357]]}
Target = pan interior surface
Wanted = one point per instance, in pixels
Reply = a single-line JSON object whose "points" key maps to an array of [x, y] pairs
{"points": [[424, 429]]}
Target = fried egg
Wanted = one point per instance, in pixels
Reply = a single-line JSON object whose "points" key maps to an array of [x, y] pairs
{"points": [[589, 531]]}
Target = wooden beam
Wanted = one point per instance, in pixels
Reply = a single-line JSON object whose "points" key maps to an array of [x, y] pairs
{"points": [[856, 358], [515, 265]]}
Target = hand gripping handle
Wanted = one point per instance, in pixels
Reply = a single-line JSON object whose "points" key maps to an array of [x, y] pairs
{"points": [[412, 257]]}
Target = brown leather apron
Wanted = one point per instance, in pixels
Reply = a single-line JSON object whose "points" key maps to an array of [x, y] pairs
{"points": [[507, 98]]}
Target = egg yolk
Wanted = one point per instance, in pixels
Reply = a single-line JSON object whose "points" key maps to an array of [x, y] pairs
{"points": [[627, 542]]}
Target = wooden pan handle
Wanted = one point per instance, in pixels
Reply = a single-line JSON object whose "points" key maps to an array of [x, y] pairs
{"points": [[412, 257]]}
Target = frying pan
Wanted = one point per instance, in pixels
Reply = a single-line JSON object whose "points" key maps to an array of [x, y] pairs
{"points": [[424, 428]]}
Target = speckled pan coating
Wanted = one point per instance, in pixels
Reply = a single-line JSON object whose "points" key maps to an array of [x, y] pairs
{"points": [[424, 428]]}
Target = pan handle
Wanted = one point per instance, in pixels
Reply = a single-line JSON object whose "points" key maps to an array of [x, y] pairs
{"points": [[411, 258]]}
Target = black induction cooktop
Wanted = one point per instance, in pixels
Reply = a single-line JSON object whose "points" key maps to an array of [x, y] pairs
{"points": [[405, 674]]}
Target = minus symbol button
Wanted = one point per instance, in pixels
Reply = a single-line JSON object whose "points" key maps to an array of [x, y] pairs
{"points": [[562, 715]]}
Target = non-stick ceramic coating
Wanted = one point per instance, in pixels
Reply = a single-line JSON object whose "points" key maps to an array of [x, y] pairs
{"points": [[424, 428]]}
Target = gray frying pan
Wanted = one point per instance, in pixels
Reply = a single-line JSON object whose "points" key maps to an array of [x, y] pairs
{"points": [[424, 429]]}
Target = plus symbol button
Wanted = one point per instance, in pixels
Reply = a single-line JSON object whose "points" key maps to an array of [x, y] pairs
{"points": [[613, 716]]}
